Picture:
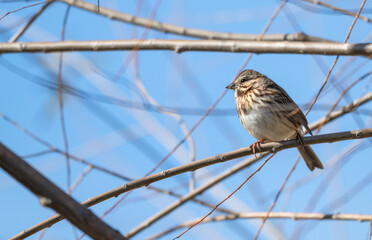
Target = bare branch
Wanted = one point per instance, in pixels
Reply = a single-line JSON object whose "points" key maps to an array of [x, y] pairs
{"points": [[344, 11], [179, 46], [346, 109], [53, 197], [243, 41], [61, 102], [190, 32], [53, 149], [282, 215], [336, 59], [131, 233], [311, 106], [193, 166], [21, 31], [277, 197], [51, 221], [19, 9], [265, 147]]}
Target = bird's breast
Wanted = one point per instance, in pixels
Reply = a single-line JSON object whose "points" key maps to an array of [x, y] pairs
{"points": [[258, 116]]}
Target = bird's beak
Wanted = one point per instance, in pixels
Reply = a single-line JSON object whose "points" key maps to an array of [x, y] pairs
{"points": [[231, 86]]}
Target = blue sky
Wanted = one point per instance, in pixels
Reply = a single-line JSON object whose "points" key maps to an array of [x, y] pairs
{"points": [[131, 141]]}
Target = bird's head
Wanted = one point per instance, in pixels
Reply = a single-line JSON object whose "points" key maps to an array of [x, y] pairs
{"points": [[245, 80]]}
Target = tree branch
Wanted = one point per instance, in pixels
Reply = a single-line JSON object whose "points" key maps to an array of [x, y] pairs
{"points": [[93, 166], [179, 46], [190, 32], [171, 207], [53, 197], [21, 31], [267, 147], [344, 11], [54, 219], [290, 215]]}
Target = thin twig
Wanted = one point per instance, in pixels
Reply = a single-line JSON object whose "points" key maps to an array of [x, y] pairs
{"points": [[19, 9], [334, 171], [49, 222], [357, 134], [175, 116], [241, 185], [38, 154], [262, 34], [132, 55], [345, 91], [314, 198], [319, 127], [80, 179], [341, 10], [266, 28], [340, 162], [136, 48], [184, 168], [143, 90], [336, 59], [60, 100], [21, 31], [351, 192], [187, 135], [145, 106], [99, 168], [277, 197]]}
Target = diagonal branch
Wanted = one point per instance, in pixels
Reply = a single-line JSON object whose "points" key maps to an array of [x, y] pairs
{"points": [[346, 109], [21, 31], [179, 46], [265, 147], [223, 157], [336, 59], [193, 166], [99, 168], [341, 10], [190, 32], [19, 9], [53, 197]]}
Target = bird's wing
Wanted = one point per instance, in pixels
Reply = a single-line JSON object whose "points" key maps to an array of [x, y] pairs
{"points": [[286, 104]]}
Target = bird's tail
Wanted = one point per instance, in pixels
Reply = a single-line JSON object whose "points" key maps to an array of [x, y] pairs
{"points": [[311, 159]]}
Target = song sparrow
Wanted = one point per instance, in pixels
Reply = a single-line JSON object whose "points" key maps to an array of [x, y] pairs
{"points": [[268, 113]]}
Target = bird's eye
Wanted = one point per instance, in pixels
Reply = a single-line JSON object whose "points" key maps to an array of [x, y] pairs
{"points": [[244, 80]]}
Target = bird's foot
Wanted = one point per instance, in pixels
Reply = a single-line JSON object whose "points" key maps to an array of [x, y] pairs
{"points": [[256, 145], [300, 140]]}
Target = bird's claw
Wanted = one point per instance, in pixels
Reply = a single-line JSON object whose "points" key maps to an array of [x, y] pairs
{"points": [[256, 145]]}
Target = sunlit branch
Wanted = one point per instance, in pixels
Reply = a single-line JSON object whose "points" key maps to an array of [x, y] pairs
{"points": [[179, 46], [274, 215], [190, 32], [49, 222]]}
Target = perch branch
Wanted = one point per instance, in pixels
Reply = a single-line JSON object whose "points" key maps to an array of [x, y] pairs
{"points": [[52, 220]]}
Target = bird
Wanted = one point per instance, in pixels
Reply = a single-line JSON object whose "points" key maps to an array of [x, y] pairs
{"points": [[268, 113]]}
